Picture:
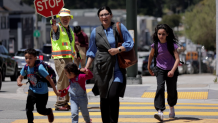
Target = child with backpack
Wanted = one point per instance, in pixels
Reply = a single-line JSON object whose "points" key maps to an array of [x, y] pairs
{"points": [[38, 89], [164, 51], [78, 97]]}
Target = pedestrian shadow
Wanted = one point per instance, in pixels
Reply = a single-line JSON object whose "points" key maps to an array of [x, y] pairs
{"points": [[188, 119]]}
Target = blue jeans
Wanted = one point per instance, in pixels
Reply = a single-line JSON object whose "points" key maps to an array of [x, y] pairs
{"points": [[75, 103]]}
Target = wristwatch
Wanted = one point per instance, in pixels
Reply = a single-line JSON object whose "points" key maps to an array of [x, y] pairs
{"points": [[119, 49]]}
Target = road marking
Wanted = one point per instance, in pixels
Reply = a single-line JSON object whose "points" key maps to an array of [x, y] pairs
{"points": [[127, 120], [138, 113], [139, 103], [52, 93], [181, 95], [152, 107], [184, 116]]}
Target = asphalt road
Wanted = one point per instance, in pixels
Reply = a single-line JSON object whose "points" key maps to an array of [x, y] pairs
{"points": [[134, 108]]}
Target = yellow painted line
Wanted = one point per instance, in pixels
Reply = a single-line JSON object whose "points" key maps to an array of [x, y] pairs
{"points": [[137, 113], [125, 120], [181, 95], [139, 103], [88, 90], [52, 93], [167, 107], [152, 107]]}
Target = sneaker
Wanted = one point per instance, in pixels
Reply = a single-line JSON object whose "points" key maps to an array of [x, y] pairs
{"points": [[90, 121], [172, 112], [62, 108], [51, 117], [159, 116]]}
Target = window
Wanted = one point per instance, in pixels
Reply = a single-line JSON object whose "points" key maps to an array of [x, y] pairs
{"points": [[2, 50], [5, 50], [46, 49], [21, 53], [24, 24], [3, 22]]}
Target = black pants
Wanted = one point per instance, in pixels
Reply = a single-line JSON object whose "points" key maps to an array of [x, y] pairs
{"points": [[41, 102], [171, 82], [110, 105]]}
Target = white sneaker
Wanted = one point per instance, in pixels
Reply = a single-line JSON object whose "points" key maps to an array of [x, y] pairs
{"points": [[172, 112], [159, 116]]}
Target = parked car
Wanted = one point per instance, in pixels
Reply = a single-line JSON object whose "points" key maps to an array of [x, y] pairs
{"points": [[20, 58], [46, 53], [182, 68], [141, 57], [145, 65], [8, 65], [193, 67], [0, 79]]}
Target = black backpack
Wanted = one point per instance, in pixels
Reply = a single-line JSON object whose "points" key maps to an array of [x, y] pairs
{"points": [[156, 53], [49, 69]]}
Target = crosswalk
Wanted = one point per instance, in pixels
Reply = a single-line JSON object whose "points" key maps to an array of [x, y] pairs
{"points": [[141, 112]]}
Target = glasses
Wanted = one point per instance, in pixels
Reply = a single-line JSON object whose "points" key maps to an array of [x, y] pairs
{"points": [[106, 15]]}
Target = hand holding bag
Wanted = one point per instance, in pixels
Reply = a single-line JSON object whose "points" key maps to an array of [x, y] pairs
{"points": [[125, 59]]}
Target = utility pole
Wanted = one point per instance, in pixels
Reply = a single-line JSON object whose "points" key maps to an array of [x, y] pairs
{"points": [[37, 39], [216, 37], [131, 23]]}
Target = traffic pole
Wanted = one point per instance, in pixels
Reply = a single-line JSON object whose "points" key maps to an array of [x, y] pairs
{"points": [[52, 16], [131, 24], [37, 40], [216, 37]]}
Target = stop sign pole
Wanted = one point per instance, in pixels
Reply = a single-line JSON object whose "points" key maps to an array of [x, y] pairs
{"points": [[48, 8]]}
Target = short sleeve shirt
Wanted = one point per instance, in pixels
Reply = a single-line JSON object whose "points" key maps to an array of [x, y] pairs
{"points": [[164, 59], [40, 87]]}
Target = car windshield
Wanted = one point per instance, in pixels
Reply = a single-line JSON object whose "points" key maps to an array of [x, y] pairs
{"points": [[46, 49], [21, 53], [144, 57]]}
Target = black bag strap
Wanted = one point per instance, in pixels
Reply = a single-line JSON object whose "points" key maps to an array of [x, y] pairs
{"points": [[156, 53]]}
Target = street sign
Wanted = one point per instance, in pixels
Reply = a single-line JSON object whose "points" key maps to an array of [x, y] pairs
{"points": [[36, 33], [48, 8]]}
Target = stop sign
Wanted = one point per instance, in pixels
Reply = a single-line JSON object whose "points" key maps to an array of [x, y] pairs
{"points": [[48, 8]]}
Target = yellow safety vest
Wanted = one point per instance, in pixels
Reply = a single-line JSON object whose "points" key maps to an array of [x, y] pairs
{"points": [[61, 48]]}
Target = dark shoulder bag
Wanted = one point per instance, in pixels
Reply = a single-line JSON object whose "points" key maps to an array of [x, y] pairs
{"points": [[155, 68], [125, 59]]}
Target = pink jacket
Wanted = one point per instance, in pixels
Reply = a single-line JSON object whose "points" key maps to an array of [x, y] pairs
{"points": [[82, 79]]}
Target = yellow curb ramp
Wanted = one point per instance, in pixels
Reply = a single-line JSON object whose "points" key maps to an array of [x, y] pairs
{"points": [[127, 120], [181, 95]]}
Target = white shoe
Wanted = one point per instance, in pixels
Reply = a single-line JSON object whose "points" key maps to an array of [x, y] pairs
{"points": [[159, 116], [172, 112]]}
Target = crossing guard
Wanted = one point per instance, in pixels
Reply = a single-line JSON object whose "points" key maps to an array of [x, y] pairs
{"points": [[63, 49]]}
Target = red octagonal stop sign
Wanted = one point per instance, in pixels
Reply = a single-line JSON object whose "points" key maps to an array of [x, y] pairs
{"points": [[48, 8]]}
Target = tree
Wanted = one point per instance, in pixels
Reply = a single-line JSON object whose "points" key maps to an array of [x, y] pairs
{"points": [[171, 20], [179, 6], [200, 24], [150, 7]]}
